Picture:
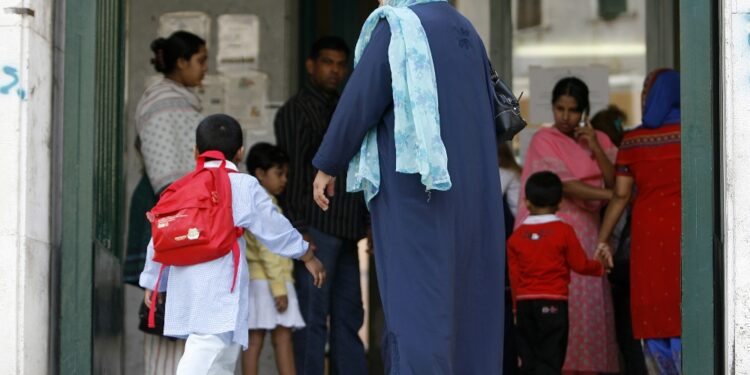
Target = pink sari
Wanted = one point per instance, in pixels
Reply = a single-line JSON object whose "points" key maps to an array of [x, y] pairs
{"points": [[592, 343]]}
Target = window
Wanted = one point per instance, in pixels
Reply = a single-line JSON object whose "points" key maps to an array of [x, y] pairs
{"points": [[611, 9], [529, 14]]}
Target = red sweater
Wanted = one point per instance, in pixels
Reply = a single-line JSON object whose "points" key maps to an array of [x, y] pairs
{"points": [[540, 257]]}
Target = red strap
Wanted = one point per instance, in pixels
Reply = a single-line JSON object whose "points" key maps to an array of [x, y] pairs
{"points": [[236, 257], [218, 155], [152, 309]]}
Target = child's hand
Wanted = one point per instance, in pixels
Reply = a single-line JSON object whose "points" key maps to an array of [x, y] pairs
{"points": [[311, 244], [147, 297], [315, 267], [282, 303], [604, 255]]}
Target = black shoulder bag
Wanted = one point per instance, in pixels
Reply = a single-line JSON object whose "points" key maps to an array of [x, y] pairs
{"points": [[508, 120]]}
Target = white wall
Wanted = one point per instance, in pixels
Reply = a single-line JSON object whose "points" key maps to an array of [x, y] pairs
{"points": [[736, 169], [26, 48]]}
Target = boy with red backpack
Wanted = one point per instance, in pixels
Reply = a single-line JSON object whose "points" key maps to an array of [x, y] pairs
{"points": [[194, 252]]}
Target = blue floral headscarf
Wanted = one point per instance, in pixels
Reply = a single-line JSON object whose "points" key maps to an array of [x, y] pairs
{"points": [[419, 147]]}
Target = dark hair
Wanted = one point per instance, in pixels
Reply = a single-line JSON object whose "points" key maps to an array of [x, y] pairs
{"points": [[219, 133], [610, 121], [574, 87], [181, 44], [328, 42], [265, 156], [544, 189]]}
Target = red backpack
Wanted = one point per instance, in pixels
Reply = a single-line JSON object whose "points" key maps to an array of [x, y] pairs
{"points": [[192, 223]]}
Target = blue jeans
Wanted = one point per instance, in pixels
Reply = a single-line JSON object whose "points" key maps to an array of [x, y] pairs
{"points": [[341, 298]]}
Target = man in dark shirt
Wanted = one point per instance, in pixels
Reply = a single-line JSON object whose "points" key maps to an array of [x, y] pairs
{"points": [[300, 126]]}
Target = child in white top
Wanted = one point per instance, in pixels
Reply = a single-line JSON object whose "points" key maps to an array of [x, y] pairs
{"points": [[201, 306], [510, 176]]}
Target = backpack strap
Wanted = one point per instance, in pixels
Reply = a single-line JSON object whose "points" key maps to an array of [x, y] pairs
{"points": [[236, 256], [218, 155], [152, 309]]}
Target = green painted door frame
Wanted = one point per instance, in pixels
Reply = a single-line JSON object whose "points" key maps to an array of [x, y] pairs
{"points": [[91, 198], [76, 276], [702, 290]]}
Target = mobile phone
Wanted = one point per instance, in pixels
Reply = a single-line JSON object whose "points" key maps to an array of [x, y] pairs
{"points": [[584, 119]]}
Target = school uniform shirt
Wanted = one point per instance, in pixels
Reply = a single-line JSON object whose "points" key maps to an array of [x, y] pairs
{"points": [[199, 300], [541, 253]]}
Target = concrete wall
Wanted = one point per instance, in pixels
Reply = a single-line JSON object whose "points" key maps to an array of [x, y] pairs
{"points": [[735, 46], [25, 104]]}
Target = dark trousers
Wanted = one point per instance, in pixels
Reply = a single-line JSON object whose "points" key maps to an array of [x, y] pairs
{"points": [[542, 327], [340, 300], [634, 363], [510, 348]]}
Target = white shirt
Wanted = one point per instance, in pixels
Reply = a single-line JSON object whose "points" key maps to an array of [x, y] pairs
{"points": [[198, 296], [541, 219], [510, 182]]}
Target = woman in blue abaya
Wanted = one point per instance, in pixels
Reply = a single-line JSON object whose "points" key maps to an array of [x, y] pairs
{"points": [[415, 128]]}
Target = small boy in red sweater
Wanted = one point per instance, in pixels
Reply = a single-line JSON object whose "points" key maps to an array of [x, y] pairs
{"points": [[541, 253]]}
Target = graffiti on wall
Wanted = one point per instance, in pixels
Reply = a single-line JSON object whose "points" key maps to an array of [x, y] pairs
{"points": [[9, 83]]}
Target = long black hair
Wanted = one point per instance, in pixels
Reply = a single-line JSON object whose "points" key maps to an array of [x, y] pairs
{"points": [[574, 87], [181, 44]]}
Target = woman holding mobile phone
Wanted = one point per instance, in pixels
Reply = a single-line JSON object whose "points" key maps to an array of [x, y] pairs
{"points": [[583, 159]]}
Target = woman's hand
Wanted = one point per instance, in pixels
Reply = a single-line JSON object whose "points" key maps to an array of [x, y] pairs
{"points": [[323, 184], [587, 133]]}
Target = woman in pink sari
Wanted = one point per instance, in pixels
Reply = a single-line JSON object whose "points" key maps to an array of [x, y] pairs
{"points": [[583, 159]]}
